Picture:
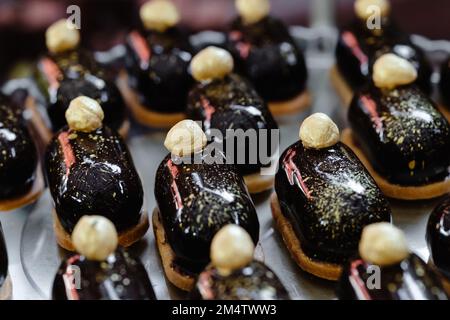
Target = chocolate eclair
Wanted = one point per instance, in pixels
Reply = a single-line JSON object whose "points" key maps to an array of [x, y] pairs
{"points": [[234, 274], [227, 104], [157, 81], [90, 171], [438, 239], [5, 280], [444, 86], [195, 199], [323, 199], [386, 270], [66, 72], [399, 134], [372, 34], [21, 180], [268, 56], [100, 270]]}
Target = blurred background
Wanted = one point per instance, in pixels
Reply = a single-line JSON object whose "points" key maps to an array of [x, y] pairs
{"points": [[105, 22]]}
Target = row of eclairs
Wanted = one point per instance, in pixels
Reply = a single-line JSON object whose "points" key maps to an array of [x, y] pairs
{"points": [[330, 193]]}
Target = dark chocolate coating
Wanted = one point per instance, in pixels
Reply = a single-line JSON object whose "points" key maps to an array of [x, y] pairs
{"points": [[197, 200], [438, 237], [65, 76], [233, 103], [3, 259], [404, 136], [18, 158], [328, 197], [411, 279], [445, 83], [358, 48], [93, 174], [120, 277], [268, 56], [256, 281], [157, 65]]}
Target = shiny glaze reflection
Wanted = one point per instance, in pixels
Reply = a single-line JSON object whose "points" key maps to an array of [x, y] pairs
{"points": [[445, 82], [65, 76], [232, 103], [120, 277], [411, 279], [197, 200], [405, 137], [328, 197], [3, 258], [93, 173], [18, 158], [358, 48], [253, 282], [157, 64], [438, 237], [268, 56]]}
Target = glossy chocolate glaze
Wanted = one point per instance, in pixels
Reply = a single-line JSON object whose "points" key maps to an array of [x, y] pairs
{"points": [[157, 65], [197, 200], [445, 82], [232, 103], [412, 279], [404, 136], [65, 76], [268, 56], [93, 173], [3, 259], [18, 158], [438, 237], [328, 197], [358, 48], [253, 282], [120, 277]]}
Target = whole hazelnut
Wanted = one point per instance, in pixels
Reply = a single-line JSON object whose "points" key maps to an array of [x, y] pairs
{"points": [[185, 138], [252, 11], [84, 114], [159, 15], [318, 131], [211, 63], [391, 71], [62, 36], [363, 8]]}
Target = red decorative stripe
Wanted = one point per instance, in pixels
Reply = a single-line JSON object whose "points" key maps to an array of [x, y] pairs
{"points": [[69, 156], [242, 46], [354, 275], [351, 41], [208, 108], [173, 187], [69, 280], [292, 170], [141, 47], [51, 71], [371, 107]]}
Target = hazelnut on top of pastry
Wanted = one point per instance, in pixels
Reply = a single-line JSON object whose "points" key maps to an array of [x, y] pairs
{"points": [[185, 138], [61, 36], [383, 244], [231, 248], [318, 131], [252, 11], [159, 15], [95, 237], [391, 71], [84, 114], [364, 9], [211, 63]]}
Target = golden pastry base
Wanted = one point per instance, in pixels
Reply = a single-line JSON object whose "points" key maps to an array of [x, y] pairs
{"points": [[126, 238], [324, 270], [36, 190], [142, 114], [292, 106], [395, 191], [6, 289], [182, 281], [257, 183], [445, 111], [343, 90]]}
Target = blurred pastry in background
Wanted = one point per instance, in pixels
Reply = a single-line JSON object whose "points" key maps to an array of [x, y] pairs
{"points": [[444, 86], [438, 240], [323, 199], [268, 56], [399, 134], [363, 42], [90, 171], [196, 197], [100, 270], [227, 102], [386, 270], [157, 80], [66, 72], [234, 274], [21, 179], [5, 280]]}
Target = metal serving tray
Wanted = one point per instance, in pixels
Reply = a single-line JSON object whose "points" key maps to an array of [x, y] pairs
{"points": [[35, 257]]}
